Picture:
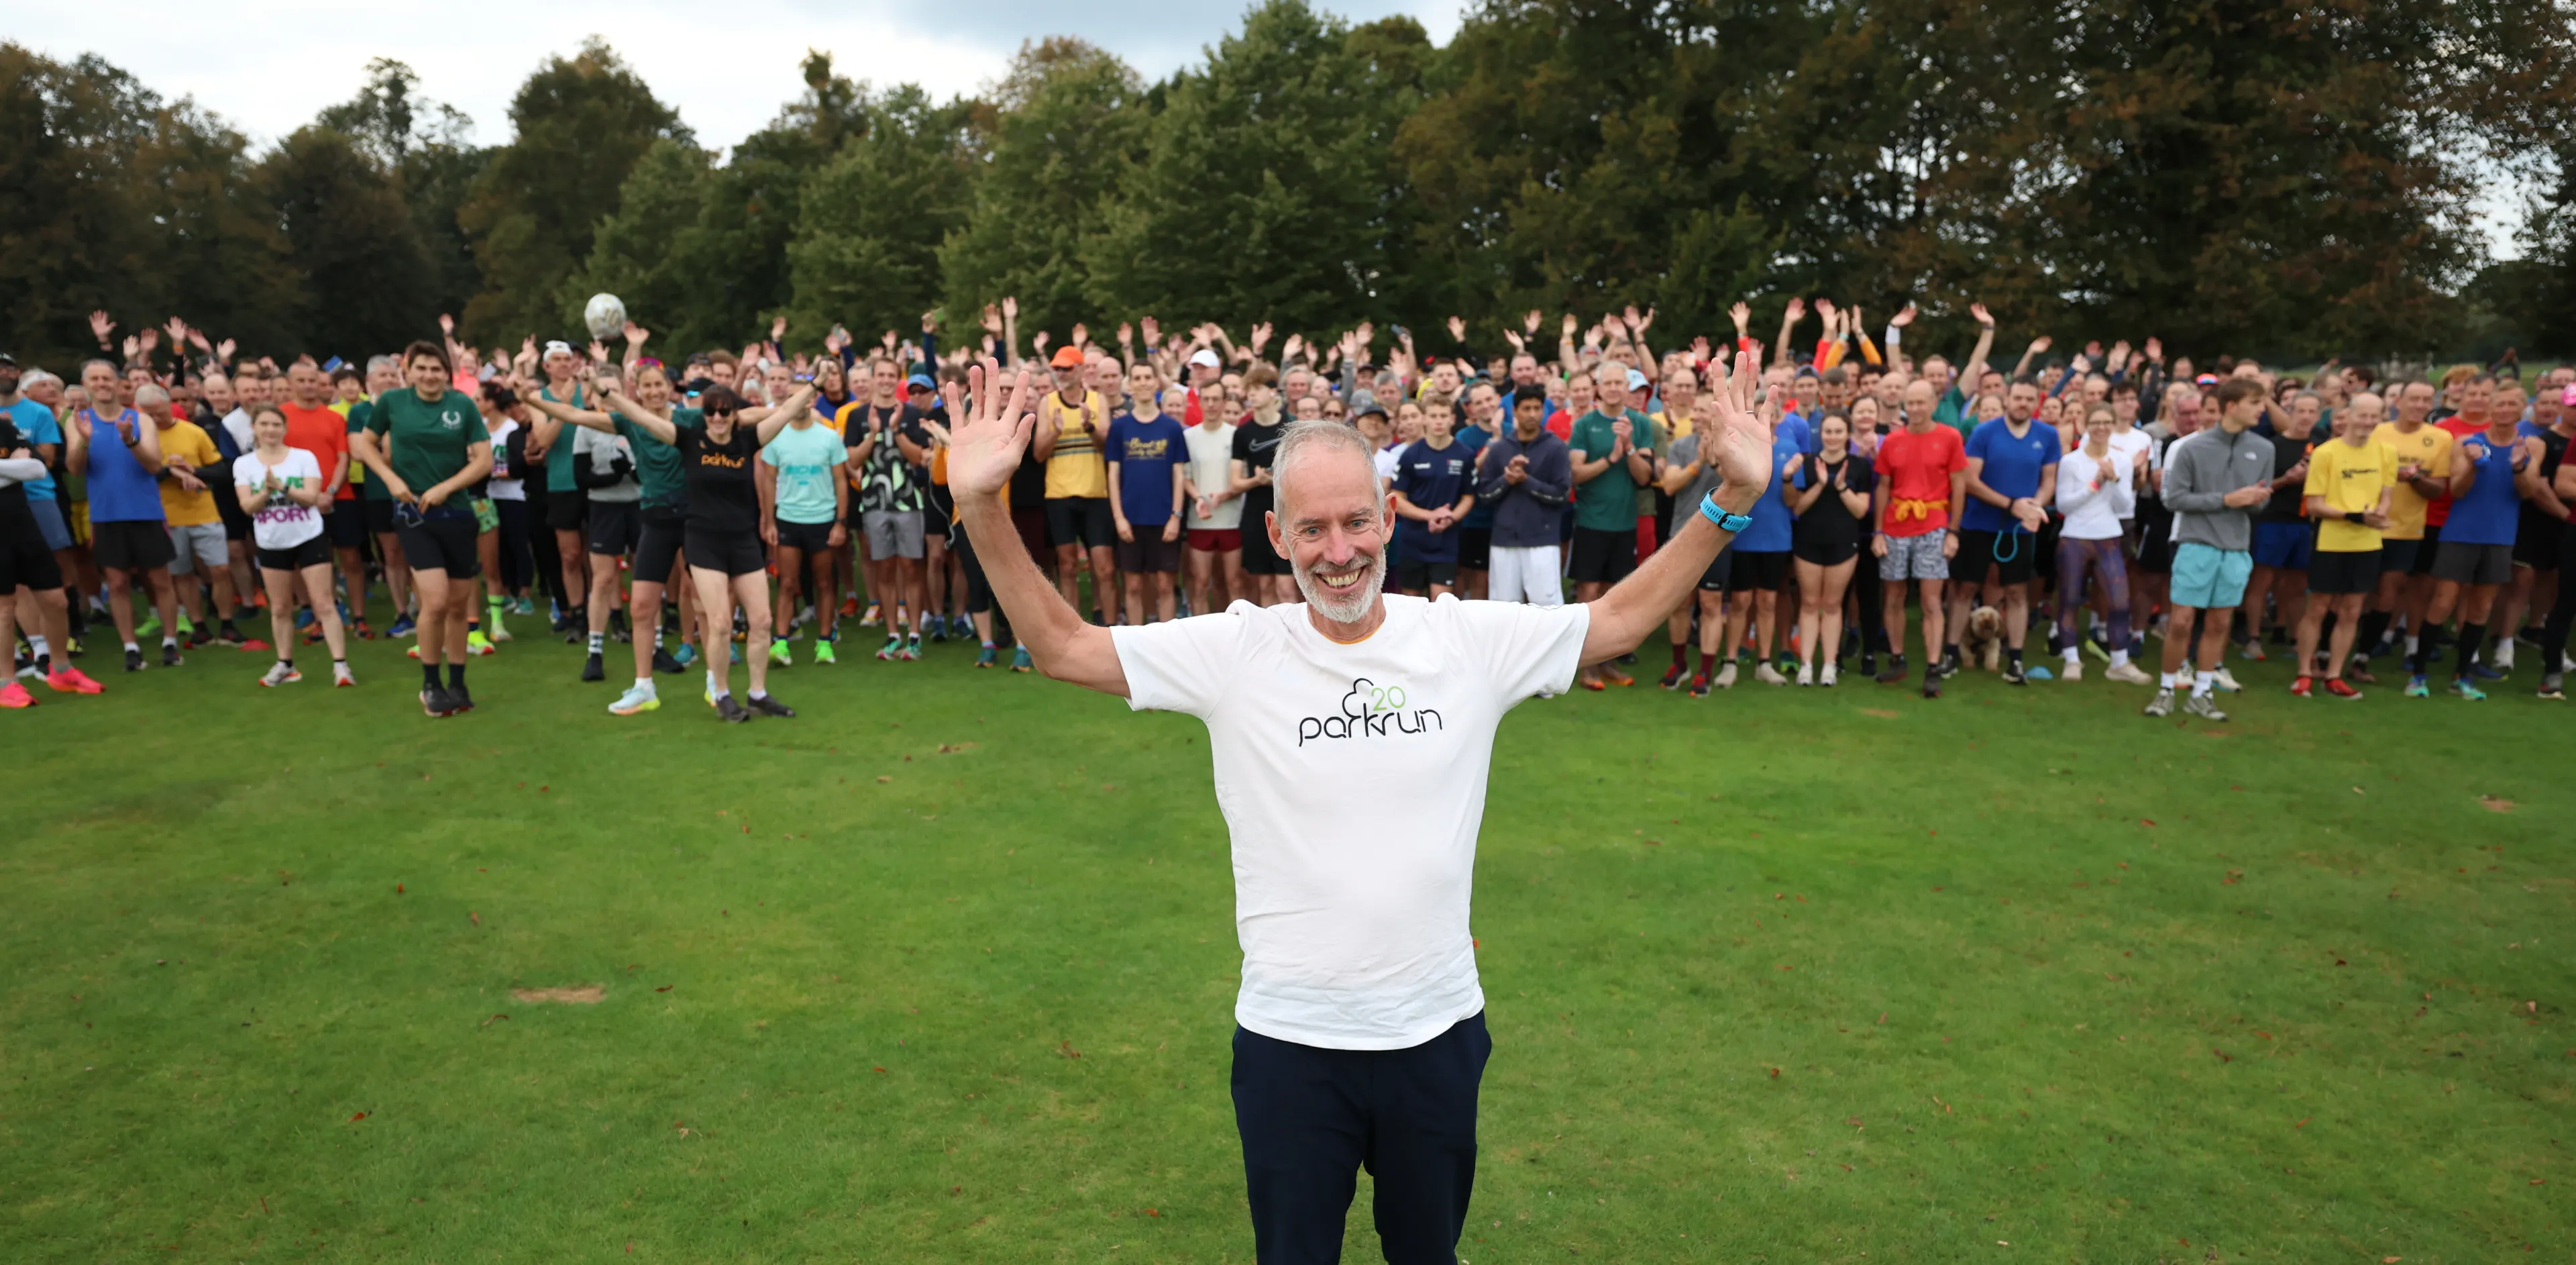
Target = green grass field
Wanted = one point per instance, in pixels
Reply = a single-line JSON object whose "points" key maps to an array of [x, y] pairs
{"points": [[943, 971]]}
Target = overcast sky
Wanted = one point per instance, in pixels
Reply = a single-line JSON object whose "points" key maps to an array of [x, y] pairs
{"points": [[269, 65]]}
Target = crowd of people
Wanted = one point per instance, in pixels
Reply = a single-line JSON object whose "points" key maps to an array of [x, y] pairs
{"points": [[733, 506]]}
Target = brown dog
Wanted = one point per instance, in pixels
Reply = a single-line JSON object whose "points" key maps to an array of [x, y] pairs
{"points": [[1984, 642]]}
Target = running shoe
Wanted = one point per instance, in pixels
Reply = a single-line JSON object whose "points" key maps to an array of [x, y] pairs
{"points": [[1806, 674], [912, 648], [1826, 675], [477, 644], [1767, 674], [1948, 665], [2417, 687], [987, 657], [592, 669], [2460, 686], [733, 652], [730, 710], [360, 628], [870, 618], [2014, 673], [1699, 685], [2304, 687], [522, 606], [1591, 682], [2204, 706], [70, 680], [434, 702], [14, 695], [151, 624], [2553, 686], [1616, 677], [1895, 672], [2072, 669], [2500, 654], [2337, 687], [1673, 677], [229, 637], [684, 656], [2359, 670], [768, 705], [891, 650], [849, 607], [639, 697], [2226, 680], [199, 637], [2161, 704], [133, 658], [1020, 661], [1932, 684], [2252, 650], [459, 698], [412, 652], [280, 673], [664, 663], [341, 678], [961, 626], [500, 631], [824, 653], [170, 656], [1726, 676], [782, 656], [1868, 664], [2097, 644], [938, 628], [2482, 672]]}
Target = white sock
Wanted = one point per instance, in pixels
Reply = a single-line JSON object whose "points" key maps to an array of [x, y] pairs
{"points": [[2200, 682], [716, 683], [169, 641], [2073, 655], [131, 646], [597, 642], [2119, 656], [2413, 643], [644, 683], [37, 644], [2165, 680], [757, 695]]}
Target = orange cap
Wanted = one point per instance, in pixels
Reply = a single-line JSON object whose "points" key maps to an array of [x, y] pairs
{"points": [[1067, 358]]}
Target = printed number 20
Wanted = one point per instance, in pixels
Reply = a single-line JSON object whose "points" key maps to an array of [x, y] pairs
{"points": [[1388, 698]]}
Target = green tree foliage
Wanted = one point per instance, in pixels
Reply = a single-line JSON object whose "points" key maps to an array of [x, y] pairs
{"points": [[866, 250], [581, 124], [367, 279], [1281, 150], [1064, 130]]}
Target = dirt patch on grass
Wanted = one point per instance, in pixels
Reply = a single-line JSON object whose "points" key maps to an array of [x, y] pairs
{"points": [[2496, 804], [586, 995]]}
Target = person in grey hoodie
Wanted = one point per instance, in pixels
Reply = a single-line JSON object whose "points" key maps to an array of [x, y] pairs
{"points": [[1525, 474], [2214, 481]]}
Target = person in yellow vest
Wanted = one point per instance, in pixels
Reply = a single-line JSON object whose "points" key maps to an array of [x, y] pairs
{"points": [[1072, 431]]}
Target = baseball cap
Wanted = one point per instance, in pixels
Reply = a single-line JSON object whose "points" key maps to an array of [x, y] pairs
{"points": [[1636, 380], [1206, 356], [9, 360], [558, 345], [921, 382], [1067, 358]]}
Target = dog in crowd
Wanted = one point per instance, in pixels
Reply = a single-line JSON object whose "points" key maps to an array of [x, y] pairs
{"points": [[1984, 642]]}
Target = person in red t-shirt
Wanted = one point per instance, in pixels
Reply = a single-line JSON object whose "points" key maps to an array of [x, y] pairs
{"points": [[1922, 488], [316, 427]]}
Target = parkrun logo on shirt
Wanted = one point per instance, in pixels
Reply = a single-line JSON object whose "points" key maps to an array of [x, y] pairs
{"points": [[1370, 710]]}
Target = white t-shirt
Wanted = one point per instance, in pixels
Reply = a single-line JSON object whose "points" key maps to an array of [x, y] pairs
{"points": [[505, 489], [1388, 460], [237, 425], [2092, 515], [1352, 779], [1211, 470], [281, 524], [2126, 443]]}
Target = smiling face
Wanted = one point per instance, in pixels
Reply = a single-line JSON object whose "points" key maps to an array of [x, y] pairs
{"points": [[268, 429], [1331, 525]]}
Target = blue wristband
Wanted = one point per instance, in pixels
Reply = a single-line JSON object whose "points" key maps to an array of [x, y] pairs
{"points": [[1709, 509]]}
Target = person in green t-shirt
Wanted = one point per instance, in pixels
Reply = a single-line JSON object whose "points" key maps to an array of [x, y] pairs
{"points": [[428, 445], [1614, 456], [384, 373]]}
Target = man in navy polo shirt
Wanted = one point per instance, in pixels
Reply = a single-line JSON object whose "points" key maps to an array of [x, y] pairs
{"points": [[2012, 477]]}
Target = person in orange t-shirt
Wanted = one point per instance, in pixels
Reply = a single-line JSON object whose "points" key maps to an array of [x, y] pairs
{"points": [[314, 426]]}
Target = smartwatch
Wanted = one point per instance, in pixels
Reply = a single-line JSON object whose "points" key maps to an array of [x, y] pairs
{"points": [[1710, 510]]}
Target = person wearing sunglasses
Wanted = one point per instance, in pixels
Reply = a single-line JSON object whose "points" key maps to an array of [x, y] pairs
{"points": [[718, 443]]}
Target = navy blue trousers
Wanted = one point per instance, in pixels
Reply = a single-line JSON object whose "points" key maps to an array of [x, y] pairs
{"points": [[1312, 1118]]}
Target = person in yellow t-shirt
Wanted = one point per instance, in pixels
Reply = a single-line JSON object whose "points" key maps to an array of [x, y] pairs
{"points": [[1071, 435], [196, 528], [2423, 455], [2352, 479]]}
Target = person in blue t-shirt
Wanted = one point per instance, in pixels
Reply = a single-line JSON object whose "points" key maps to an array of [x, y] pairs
{"points": [[1147, 452], [1434, 492], [1487, 414], [1759, 566], [2012, 478]]}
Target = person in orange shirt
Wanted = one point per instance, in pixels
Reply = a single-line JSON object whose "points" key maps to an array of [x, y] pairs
{"points": [[316, 427]]}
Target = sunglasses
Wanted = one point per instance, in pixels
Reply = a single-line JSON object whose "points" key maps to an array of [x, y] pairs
{"points": [[719, 410]]}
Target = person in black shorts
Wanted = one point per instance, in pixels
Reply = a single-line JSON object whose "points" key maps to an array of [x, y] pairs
{"points": [[428, 444], [284, 488], [1256, 445], [719, 443], [1832, 502]]}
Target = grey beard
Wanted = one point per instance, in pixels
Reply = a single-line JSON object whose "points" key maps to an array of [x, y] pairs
{"points": [[1341, 609]]}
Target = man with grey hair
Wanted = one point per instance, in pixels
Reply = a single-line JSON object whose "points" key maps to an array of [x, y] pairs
{"points": [[1351, 737]]}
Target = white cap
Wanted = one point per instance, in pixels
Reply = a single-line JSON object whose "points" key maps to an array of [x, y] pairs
{"points": [[1205, 356]]}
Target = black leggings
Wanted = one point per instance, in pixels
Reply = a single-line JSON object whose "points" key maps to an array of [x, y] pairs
{"points": [[2553, 635], [979, 591], [518, 566]]}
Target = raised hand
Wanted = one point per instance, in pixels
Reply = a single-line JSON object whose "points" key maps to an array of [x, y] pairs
{"points": [[930, 321], [1367, 333], [1985, 319], [1699, 349], [2155, 349], [178, 332], [1742, 315], [1795, 312], [101, 326], [133, 347], [598, 352], [1640, 325], [447, 325], [889, 340], [1530, 323], [1457, 328], [1260, 337], [1565, 330], [1903, 317], [150, 339], [1040, 340], [987, 433], [1513, 336], [777, 328], [636, 335], [1628, 317], [1126, 334], [992, 320], [2039, 346], [197, 339], [1152, 330], [1010, 307], [1826, 309], [1081, 335], [1743, 447]]}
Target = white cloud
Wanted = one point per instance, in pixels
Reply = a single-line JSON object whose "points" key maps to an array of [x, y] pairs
{"points": [[269, 66]]}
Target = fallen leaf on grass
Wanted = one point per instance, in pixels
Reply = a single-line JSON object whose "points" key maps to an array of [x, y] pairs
{"points": [[1775, 1073], [664, 989], [1880, 712], [1065, 1049], [358, 1117], [952, 748], [2495, 804], [2303, 1122], [883, 778], [2223, 1056], [585, 995], [2146, 821], [398, 889], [489, 1022], [478, 918], [1945, 1107]]}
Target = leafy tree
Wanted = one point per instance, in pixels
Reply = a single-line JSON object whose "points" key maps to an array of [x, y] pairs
{"points": [[367, 280], [866, 249], [1065, 125], [580, 125]]}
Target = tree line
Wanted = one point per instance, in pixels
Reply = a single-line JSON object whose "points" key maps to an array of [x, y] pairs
{"points": [[2256, 176]]}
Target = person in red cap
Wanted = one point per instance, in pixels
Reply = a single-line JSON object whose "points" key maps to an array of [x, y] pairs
{"points": [[1073, 424]]}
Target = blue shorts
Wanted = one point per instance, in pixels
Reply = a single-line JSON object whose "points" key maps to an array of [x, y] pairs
{"points": [[2208, 578], [49, 523], [2284, 546]]}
